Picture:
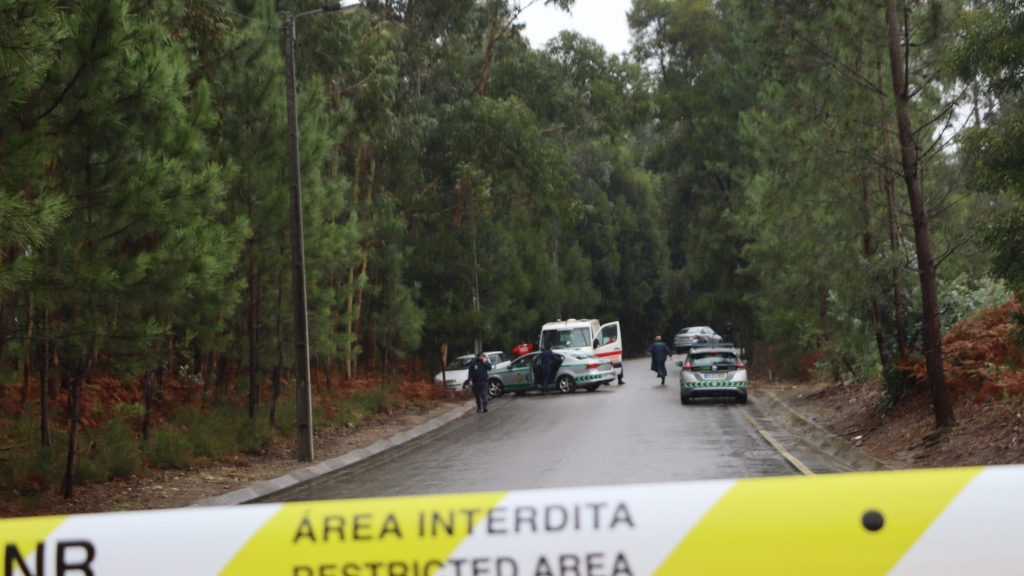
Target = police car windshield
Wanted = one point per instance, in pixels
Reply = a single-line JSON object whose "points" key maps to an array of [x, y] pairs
{"points": [[566, 338]]}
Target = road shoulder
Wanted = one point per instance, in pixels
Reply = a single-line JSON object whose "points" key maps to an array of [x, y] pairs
{"points": [[852, 458]]}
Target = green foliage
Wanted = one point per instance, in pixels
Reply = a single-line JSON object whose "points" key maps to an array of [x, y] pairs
{"points": [[461, 185], [966, 295], [168, 447], [25, 466], [109, 452], [988, 54]]}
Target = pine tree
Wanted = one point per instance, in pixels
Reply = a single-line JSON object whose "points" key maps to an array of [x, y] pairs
{"points": [[141, 242]]}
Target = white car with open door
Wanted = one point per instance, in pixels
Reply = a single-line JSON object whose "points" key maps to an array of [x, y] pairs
{"points": [[603, 341]]}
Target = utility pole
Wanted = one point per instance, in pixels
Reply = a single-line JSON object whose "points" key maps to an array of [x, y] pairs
{"points": [[477, 346], [554, 262], [303, 396]]}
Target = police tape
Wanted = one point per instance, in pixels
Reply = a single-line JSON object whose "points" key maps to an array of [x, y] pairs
{"points": [[935, 522]]}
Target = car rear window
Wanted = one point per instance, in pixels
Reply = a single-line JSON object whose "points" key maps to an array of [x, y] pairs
{"points": [[460, 363], [579, 355], [713, 358]]}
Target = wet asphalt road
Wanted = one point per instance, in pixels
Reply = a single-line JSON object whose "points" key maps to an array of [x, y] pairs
{"points": [[627, 434]]}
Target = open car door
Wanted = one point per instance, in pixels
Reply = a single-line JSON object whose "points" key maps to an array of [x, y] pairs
{"points": [[608, 345]]}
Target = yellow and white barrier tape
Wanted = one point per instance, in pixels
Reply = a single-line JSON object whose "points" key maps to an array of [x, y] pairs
{"points": [[936, 522]]}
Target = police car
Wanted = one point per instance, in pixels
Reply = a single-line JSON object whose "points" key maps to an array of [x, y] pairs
{"points": [[588, 336], [712, 371], [575, 369]]}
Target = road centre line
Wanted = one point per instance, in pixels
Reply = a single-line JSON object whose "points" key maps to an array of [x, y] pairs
{"points": [[775, 443]]}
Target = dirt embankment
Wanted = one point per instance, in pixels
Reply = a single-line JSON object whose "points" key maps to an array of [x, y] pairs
{"points": [[985, 372]]}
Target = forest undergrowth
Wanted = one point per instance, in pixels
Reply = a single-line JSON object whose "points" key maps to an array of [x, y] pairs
{"points": [[188, 428], [982, 356], [985, 372]]}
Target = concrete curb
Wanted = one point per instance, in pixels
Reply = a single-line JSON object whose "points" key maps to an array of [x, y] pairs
{"points": [[294, 477], [829, 443]]}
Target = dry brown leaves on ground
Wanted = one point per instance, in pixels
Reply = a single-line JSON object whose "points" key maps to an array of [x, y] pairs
{"points": [[980, 357], [986, 433]]}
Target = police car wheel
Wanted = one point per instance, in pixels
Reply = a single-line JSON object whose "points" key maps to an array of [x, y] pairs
{"points": [[495, 388], [566, 384], [742, 399], [590, 388], [684, 399]]}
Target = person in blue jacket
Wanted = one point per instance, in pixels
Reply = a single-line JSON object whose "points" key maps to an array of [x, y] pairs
{"points": [[659, 352], [478, 369], [548, 365]]}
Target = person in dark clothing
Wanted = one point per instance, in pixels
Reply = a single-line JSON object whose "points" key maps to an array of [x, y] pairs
{"points": [[478, 369], [548, 360], [730, 332], [659, 351]]}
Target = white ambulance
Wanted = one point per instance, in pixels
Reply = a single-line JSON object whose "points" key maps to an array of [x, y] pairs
{"points": [[603, 341]]}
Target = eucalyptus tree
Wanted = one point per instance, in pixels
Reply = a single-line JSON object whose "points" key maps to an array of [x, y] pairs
{"points": [[694, 146]]}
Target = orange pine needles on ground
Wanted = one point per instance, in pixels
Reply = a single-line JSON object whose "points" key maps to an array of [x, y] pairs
{"points": [[981, 356]]}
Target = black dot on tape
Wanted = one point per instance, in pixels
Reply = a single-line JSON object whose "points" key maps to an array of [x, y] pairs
{"points": [[873, 520]]}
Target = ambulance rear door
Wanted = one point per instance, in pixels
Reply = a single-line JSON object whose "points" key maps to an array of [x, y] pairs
{"points": [[608, 344]]}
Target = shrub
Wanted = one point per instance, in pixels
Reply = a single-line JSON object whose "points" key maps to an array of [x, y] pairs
{"points": [[168, 447], [109, 452], [25, 465]]}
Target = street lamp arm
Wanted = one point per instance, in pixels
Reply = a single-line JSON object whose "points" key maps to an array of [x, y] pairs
{"points": [[345, 6], [310, 13]]}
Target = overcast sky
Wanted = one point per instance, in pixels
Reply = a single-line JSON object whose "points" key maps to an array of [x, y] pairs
{"points": [[602, 20]]}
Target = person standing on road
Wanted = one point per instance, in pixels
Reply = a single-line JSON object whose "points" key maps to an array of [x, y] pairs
{"points": [[730, 332], [659, 352], [548, 359], [478, 369]]}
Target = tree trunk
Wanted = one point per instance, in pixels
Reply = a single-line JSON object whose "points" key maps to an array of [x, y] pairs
{"points": [[894, 247], [147, 394], [44, 381], [348, 324], [889, 186], [869, 251], [3, 331], [253, 325], [76, 391], [222, 374], [276, 379], [942, 404], [69, 473], [275, 393], [30, 324]]}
